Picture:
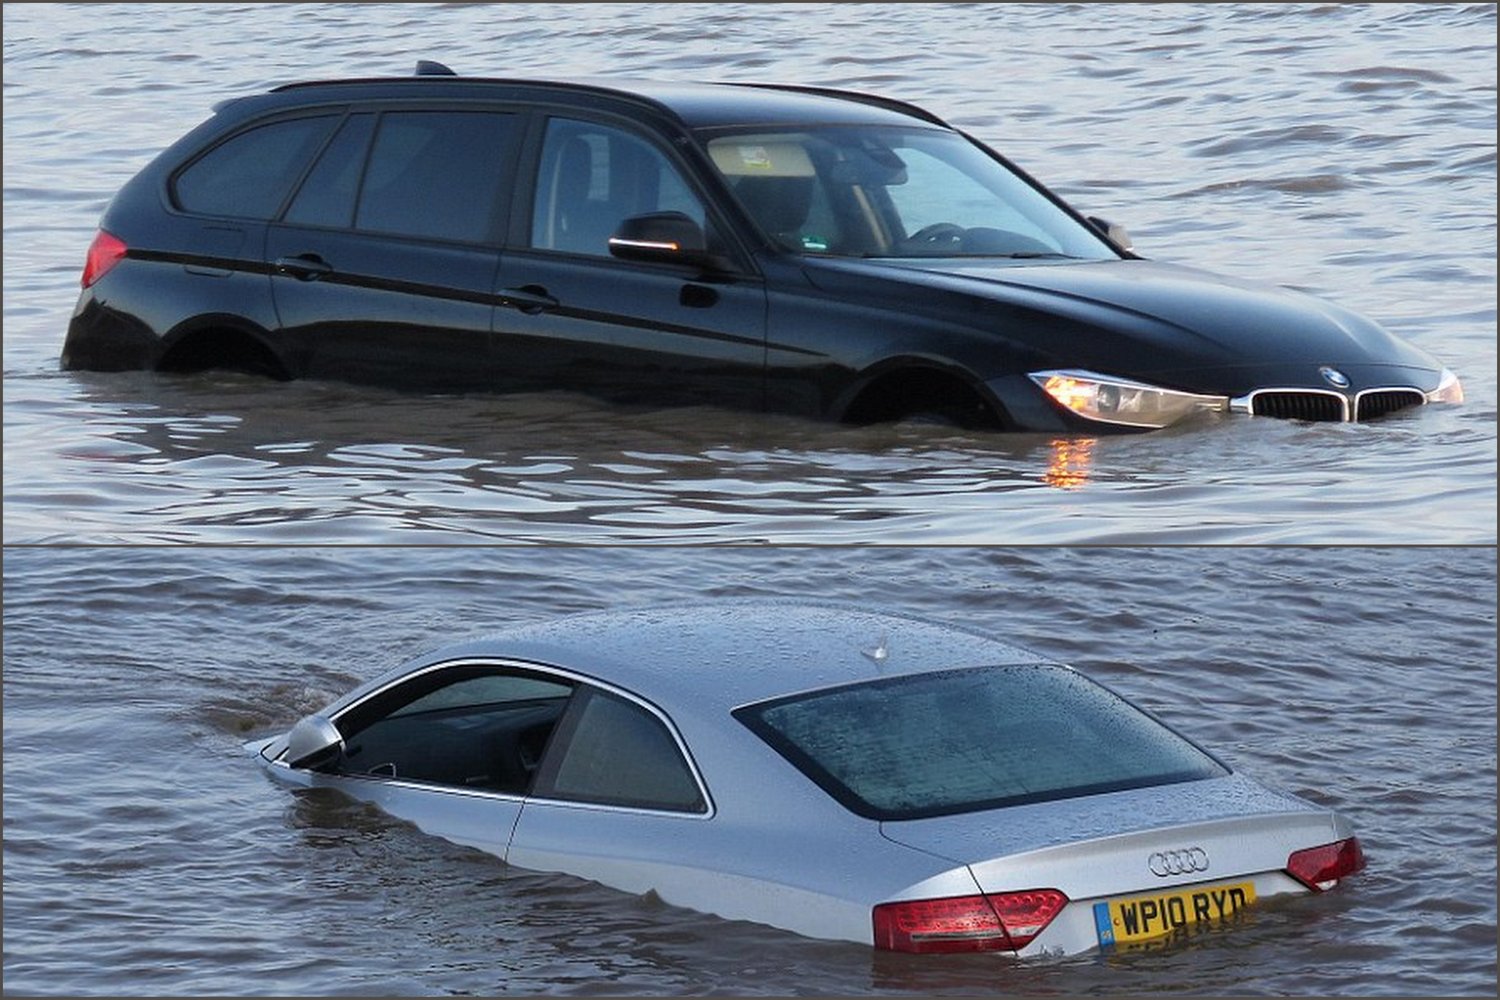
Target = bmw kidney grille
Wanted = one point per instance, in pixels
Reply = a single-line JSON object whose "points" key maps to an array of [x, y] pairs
{"points": [[1325, 405]]}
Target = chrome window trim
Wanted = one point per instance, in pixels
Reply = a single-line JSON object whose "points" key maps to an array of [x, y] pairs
{"points": [[424, 786], [542, 800], [553, 671]]}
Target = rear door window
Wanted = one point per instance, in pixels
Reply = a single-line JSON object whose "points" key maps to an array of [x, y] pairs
{"points": [[326, 198], [437, 175], [249, 175], [615, 752]]}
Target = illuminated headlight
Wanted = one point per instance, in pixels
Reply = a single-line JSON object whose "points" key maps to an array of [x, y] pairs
{"points": [[1121, 401], [1449, 390]]}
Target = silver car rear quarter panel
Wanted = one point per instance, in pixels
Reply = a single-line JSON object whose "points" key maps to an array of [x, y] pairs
{"points": [[817, 875]]}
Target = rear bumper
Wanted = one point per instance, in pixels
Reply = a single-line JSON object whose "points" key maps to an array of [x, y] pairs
{"points": [[1075, 930], [102, 339]]}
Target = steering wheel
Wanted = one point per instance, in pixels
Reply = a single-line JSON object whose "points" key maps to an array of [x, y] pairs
{"points": [[939, 235]]}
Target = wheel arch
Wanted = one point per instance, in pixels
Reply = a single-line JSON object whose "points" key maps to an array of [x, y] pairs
{"points": [[221, 340], [906, 386]]}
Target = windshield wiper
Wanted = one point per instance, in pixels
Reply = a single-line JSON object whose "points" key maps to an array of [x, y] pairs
{"points": [[1032, 255], [1018, 255]]}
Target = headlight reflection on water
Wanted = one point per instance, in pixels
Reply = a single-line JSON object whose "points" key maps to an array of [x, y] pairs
{"points": [[1069, 462]]}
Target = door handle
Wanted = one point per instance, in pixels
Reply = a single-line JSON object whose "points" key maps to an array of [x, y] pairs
{"points": [[304, 266], [530, 299]]}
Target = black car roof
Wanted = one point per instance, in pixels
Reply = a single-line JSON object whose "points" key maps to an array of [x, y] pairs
{"points": [[696, 105]]}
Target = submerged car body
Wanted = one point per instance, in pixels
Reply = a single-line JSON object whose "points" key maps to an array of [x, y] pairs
{"points": [[837, 773], [794, 249]]}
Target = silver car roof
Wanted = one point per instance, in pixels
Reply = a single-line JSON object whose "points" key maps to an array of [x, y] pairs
{"points": [[718, 656]]}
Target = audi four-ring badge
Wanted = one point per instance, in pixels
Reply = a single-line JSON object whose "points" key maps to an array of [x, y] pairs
{"points": [[799, 249], [1178, 862], [835, 772]]}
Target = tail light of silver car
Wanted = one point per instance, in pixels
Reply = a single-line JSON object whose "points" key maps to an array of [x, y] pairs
{"points": [[105, 252], [1320, 868], [1005, 921]]}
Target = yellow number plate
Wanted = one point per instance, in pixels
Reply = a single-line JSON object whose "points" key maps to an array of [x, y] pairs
{"points": [[1141, 918]]}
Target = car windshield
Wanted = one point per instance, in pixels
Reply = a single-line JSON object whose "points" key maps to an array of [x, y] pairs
{"points": [[965, 740], [893, 192]]}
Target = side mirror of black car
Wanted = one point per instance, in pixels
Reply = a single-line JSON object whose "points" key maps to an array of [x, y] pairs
{"points": [[665, 238], [1118, 235]]}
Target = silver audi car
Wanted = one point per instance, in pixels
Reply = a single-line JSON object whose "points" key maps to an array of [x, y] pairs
{"points": [[838, 773]]}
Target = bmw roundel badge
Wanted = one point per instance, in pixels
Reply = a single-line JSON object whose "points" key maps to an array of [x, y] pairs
{"points": [[1334, 377]]}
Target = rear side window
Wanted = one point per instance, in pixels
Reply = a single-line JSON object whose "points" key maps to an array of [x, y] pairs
{"points": [[615, 752], [326, 198], [966, 740], [436, 174], [249, 175]]}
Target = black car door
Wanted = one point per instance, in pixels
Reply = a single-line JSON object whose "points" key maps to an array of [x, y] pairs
{"points": [[384, 262], [572, 316]]}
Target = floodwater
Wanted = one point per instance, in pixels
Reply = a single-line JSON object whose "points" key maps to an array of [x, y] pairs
{"points": [[146, 854], [1331, 630], [1345, 149]]}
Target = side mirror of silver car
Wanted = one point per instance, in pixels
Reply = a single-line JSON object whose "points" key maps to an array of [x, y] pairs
{"points": [[312, 742]]}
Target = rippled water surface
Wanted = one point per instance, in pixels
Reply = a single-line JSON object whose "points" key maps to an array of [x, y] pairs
{"points": [[146, 854], [1345, 149]]}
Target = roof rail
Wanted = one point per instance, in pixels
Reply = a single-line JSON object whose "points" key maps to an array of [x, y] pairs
{"points": [[436, 79], [875, 100], [429, 67]]}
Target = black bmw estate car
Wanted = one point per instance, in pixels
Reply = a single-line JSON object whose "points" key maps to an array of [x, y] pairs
{"points": [[796, 249]]}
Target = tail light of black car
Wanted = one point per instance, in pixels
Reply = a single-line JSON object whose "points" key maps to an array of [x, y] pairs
{"points": [[105, 252], [1006, 921]]}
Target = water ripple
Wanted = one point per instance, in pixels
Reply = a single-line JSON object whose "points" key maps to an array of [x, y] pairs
{"points": [[145, 854]]}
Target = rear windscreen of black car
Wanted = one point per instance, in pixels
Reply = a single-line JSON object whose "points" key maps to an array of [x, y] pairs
{"points": [[964, 740]]}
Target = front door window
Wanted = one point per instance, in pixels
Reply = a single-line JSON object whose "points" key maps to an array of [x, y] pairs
{"points": [[591, 178]]}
